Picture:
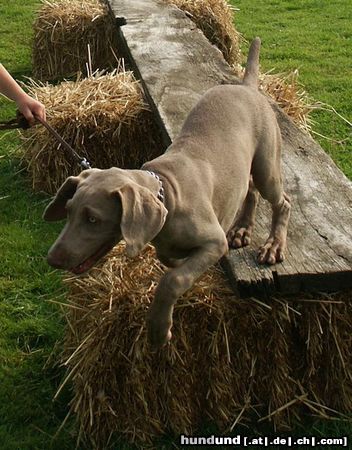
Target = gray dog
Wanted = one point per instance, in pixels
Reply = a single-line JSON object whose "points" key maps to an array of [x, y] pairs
{"points": [[192, 203]]}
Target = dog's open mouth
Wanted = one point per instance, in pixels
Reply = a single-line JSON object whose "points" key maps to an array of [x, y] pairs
{"points": [[89, 262]]}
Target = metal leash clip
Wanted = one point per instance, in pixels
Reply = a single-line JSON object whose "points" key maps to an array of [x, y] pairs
{"points": [[85, 164]]}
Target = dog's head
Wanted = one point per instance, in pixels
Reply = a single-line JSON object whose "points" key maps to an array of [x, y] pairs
{"points": [[102, 207]]}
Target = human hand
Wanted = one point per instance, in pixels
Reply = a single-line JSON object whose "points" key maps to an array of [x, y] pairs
{"points": [[30, 108]]}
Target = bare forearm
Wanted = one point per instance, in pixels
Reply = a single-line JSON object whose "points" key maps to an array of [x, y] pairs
{"points": [[28, 106], [9, 87]]}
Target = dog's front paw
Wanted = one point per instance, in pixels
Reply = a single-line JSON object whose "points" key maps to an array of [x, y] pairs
{"points": [[159, 329], [239, 237], [272, 251]]}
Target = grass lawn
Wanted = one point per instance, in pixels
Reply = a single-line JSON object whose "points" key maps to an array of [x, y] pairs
{"points": [[29, 325], [310, 35], [314, 37]]}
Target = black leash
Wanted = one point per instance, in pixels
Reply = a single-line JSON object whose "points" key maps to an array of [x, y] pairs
{"points": [[21, 122], [81, 161]]}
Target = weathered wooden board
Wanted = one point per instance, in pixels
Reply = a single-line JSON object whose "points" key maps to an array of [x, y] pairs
{"points": [[177, 65], [319, 255]]}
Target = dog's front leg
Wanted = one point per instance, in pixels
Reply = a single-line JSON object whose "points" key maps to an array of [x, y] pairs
{"points": [[175, 283]]}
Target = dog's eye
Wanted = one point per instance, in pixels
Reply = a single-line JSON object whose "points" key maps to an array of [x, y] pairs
{"points": [[92, 219]]}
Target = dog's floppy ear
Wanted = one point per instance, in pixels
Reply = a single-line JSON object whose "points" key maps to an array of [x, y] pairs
{"points": [[143, 216], [56, 210]]}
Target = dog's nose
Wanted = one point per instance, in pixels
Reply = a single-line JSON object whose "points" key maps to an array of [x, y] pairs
{"points": [[57, 258]]}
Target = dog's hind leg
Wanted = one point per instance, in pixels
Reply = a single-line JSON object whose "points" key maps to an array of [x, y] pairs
{"points": [[267, 178], [273, 249], [240, 233]]}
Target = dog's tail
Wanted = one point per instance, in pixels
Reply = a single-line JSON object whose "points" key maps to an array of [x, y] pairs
{"points": [[251, 72]]}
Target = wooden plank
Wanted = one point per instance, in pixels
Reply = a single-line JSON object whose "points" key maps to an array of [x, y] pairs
{"points": [[177, 65], [319, 255], [171, 56]]}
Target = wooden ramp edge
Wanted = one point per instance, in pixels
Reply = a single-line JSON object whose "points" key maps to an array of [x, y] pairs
{"points": [[176, 65]]}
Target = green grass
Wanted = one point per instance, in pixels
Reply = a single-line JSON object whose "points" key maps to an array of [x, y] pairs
{"points": [[312, 36], [29, 325]]}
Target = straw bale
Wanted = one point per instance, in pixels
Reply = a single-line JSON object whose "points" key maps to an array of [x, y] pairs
{"points": [[230, 360], [103, 117], [215, 19], [63, 30], [290, 95], [130, 390], [326, 328]]}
